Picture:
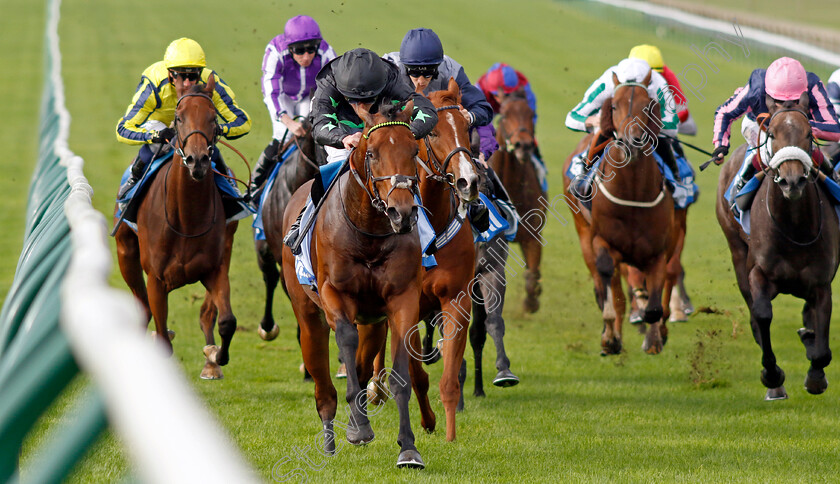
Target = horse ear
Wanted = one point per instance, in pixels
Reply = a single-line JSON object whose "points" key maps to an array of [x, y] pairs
{"points": [[804, 100], [654, 118], [770, 103], [607, 126], [365, 115], [646, 80], [211, 84], [615, 79], [408, 110], [455, 90]]}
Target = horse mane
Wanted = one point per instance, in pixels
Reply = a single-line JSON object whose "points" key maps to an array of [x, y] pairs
{"points": [[391, 111]]}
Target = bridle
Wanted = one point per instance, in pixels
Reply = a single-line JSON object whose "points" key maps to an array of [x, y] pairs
{"points": [[615, 133], [398, 181], [787, 153], [179, 142], [510, 147], [440, 172]]}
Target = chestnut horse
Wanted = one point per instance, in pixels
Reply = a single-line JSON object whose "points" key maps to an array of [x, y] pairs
{"points": [[448, 180], [301, 166], [182, 236], [366, 258], [793, 246], [513, 163], [632, 215]]}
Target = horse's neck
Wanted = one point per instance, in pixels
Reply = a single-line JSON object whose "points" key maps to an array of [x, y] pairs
{"points": [[794, 216], [188, 200], [639, 176]]}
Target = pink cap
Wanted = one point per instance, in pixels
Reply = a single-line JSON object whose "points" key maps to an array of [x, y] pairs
{"points": [[785, 79]]}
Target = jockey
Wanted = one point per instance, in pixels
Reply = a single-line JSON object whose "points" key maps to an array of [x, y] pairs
{"points": [[423, 62], [152, 110], [501, 79], [652, 55], [833, 88], [586, 115], [356, 81], [291, 62], [783, 82]]}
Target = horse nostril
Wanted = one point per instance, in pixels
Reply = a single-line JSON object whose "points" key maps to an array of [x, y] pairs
{"points": [[802, 181], [462, 184], [394, 215], [783, 182]]}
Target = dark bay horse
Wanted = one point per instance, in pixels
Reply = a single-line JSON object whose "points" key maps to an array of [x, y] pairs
{"points": [[448, 180], [632, 215], [512, 161], [301, 166], [793, 246], [182, 237], [366, 256]]}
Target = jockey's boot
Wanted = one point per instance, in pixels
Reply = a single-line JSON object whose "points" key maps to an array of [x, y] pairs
{"points": [[479, 216], [664, 150], [744, 202], [292, 236], [497, 190], [265, 165], [138, 169]]}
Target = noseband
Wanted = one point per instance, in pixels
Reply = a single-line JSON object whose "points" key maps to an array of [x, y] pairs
{"points": [[397, 181], [180, 142]]}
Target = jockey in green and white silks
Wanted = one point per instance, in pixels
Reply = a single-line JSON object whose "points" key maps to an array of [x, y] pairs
{"points": [[585, 116]]}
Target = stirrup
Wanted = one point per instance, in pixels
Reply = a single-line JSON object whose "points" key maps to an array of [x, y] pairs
{"points": [[292, 236], [129, 184]]}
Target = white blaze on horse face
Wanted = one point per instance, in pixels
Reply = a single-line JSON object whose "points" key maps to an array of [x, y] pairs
{"points": [[391, 139], [465, 164]]}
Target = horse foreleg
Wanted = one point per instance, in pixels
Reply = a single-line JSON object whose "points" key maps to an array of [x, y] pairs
{"points": [[454, 323], [430, 351], [532, 250], [419, 380], [268, 329], [492, 283], [478, 336], [657, 332], [158, 302], [676, 311], [128, 257], [761, 314], [815, 338], [403, 313], [370, 361], [207, 319], [605, 271]]}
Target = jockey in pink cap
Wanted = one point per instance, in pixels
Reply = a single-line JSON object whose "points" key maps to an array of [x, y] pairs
{"points": [[784, 81]]}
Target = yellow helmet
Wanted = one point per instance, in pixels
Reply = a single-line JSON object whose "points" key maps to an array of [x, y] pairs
{"points": [[649, 53], [184, 52]]}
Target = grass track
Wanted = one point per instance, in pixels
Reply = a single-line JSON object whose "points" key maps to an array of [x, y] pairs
{"points": [[576, 416]]}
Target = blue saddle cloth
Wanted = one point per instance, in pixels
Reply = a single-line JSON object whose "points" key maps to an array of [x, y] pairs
{"points": [[503, 220], [259, 228], [235, 209]]}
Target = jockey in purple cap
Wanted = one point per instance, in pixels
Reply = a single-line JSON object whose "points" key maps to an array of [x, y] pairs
{"points": [[292, 59], [784, 81]]}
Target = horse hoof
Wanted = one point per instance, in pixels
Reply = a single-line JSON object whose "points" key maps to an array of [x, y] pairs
{"points": [[434, 358], [531, 305], [410, 459], [270, 335], [636, 317], [816, 386], [341, 372], [678, 316], [211, 371], [376, 394], [777, 393], [211, 352], [688, 308], [505, 378], [652, 349], [479, 393], [364, 435], [302, 368]]}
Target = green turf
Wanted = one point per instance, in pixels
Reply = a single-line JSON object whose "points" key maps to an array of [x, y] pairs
{"points": [[576, 416]]}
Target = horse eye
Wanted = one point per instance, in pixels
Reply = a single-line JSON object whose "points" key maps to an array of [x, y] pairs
{"points": [[369, 155], [612, 107], [433, 134]]}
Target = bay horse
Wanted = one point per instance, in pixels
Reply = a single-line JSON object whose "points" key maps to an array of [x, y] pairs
{"points": [[793, 246], [366, 257], [513, 163], [300, 167], [448, 181], [182, 237], [632, 216]]}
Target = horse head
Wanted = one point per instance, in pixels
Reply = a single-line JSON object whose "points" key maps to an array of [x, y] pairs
{"points": [[389, 172], [788, 139], [631, 116], [516, 125], [448, 145], [195, 128]]}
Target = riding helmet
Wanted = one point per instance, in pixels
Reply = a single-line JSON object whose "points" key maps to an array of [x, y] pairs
{"points": [[301, 28], [421, 47], [184, 52], [360, 73], [785, 79]]}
